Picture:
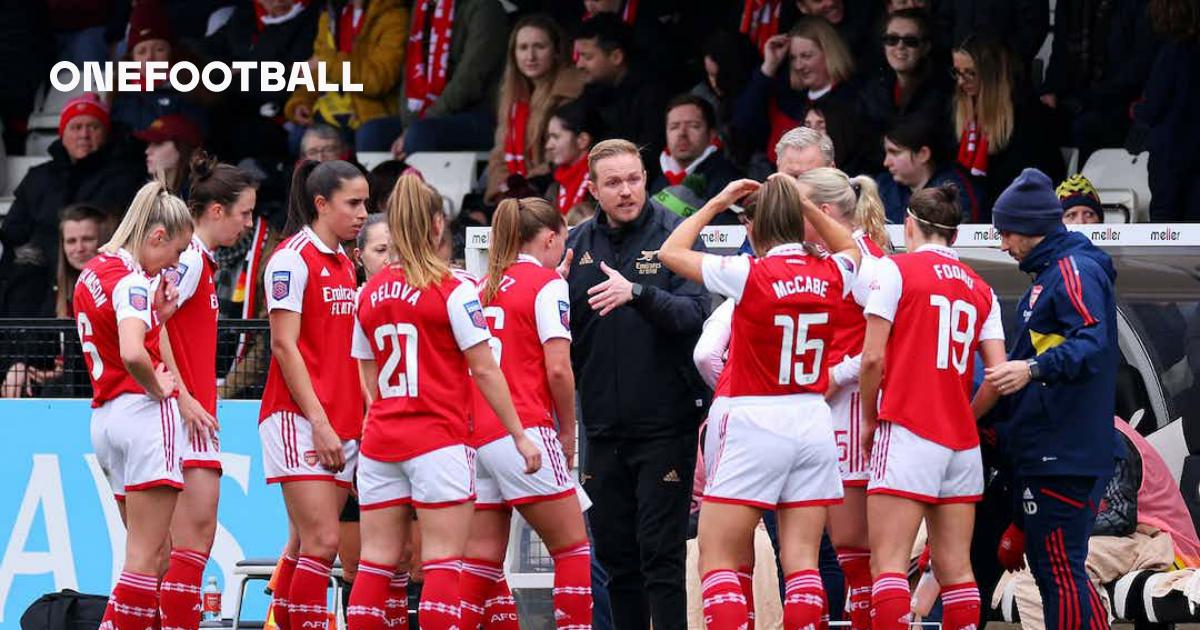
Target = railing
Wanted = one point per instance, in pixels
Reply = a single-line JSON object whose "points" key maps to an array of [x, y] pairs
{"points": [[42, 358]]}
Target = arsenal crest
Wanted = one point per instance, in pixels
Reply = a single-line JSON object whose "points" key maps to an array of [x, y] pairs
{"points": [[1033, 294]]}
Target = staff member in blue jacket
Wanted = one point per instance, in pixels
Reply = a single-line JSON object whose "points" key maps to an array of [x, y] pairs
{"points": [[1060, 381], [634, 324]]}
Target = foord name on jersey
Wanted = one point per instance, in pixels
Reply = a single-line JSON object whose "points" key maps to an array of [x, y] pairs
{"points": [[953, 272]]}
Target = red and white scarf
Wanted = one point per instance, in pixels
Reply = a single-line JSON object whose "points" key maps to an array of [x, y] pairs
{"points": [[973, 150], [572, 183], [426, 63], [674, 171], [760, 21], [514, 139]]}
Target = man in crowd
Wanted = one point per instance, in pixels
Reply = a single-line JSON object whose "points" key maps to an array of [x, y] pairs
{"points": [[802, 149], [635, 324], [1060, 383], [693, 156]]}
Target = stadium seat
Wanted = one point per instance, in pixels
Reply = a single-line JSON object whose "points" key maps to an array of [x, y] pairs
{"points": [[260, 569], [1071, 158], [48, 104], [1121, 178], [452, 173], [15, 167]]}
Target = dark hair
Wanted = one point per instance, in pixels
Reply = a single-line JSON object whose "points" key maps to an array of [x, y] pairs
{"points": [[1176, 19], [735, 57], [920, 16], [924, 69], [381, 180], [687, 98], [579, 116], [914, 132], [610, 32], [215, 182], [312, 179], [937, 211]]}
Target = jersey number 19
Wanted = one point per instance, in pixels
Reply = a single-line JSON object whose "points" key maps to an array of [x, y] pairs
{"points": [[950, 316]]}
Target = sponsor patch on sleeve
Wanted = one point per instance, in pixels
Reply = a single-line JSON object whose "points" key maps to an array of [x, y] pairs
{"points": [[281, 284], [139, 298], [475, 312], [564, 313], [846, 263]]}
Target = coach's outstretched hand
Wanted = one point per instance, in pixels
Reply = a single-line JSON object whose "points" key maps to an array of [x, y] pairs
{"points": [[1009, 377]]}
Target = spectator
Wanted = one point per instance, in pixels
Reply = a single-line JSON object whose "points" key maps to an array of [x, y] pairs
{"points": [[619, 85], [85, 165], [1171, 112], [1000, 129], [802, 149], [1101, 55], [900, 5], [79, 29], [572, 131], [693, 151], [370, 35], [854, 21], [450, 69], [634, 324], [170, 142], [1024, 23], [251, 120], [151, 39], [82, 228], [1080, 201], [1060, 392], [728, 61], [323, 143], [26, 55], [916, 157], [911, 84], [538, 78], [819, 74]]}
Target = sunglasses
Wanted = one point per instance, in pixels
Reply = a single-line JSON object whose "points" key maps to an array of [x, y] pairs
{"points": [[909, 41]]}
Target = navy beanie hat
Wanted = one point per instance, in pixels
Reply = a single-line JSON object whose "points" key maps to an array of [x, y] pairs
{"points": [[1028, 206]]}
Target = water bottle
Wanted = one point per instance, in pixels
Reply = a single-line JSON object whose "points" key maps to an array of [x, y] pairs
{"points": [[211, 610]]}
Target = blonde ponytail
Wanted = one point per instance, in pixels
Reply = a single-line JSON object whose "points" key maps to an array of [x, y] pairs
{"points": [[869, 213], [412, 210], [153, 205], [516, 222]]}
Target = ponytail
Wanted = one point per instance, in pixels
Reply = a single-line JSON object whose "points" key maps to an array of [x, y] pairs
{"points": [[152, 205], [310, 180], [412, 210], [869, 213], [515, 223]]}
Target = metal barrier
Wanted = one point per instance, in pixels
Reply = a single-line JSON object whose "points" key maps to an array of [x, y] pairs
{"points": [[42, 358]]}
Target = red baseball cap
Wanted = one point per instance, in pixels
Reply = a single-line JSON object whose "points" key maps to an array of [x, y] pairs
{"points": [[173, 127]]}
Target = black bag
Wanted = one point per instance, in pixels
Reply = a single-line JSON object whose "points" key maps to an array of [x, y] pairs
{"points": [[65, 610]]}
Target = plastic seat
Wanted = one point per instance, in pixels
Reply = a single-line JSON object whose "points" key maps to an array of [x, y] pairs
{"points": [[1121, 178]]}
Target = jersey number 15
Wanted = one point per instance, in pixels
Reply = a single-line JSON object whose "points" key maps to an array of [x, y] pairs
{"points": [[796, 332]]}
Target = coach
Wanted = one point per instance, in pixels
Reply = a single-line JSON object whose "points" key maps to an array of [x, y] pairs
{"points": [[1060, 381], [634, 325]]}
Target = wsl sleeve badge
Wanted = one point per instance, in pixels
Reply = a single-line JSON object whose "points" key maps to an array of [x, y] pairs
{"points": [[281, 284], [564, 314], [475, 312], [174, 275], [139, 298]]}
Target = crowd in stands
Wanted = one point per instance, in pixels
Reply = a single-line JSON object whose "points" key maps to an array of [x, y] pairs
{"points": [[913, 93]]}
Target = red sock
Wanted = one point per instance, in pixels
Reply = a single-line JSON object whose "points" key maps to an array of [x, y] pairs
{"points": [[307, 607], [745, 577], [573, 586], [133, 603], [804, 600], [440, 597], [283, 584], [960, 606], [179, 593], [396, 607], [856, 566], [891, 602], [366, 609], [476, 581], [500, 609], [724, 603]]}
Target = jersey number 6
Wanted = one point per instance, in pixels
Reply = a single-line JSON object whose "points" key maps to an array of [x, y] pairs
{"points": [[85, 342], [798, 331]]}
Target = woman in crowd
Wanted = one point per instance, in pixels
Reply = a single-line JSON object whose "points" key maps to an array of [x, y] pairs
{"points": [[572, 131], [728, 61], [774, 446], [170, 143], [1001, 128], [911, 84], [119, 312], [312, 407], [221, 203], [538, 79], [527, 304], [151, 39], [916, 156], [420, 338]]}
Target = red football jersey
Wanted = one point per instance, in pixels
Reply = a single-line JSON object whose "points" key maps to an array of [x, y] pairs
{"points": [[849, 323], [416, 338], [940, 310], [193, 327], [112, 288], [306, 277], [531, 308], [782, 324]]}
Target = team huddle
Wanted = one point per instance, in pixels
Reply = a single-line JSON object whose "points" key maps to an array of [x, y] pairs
{"points": [[447, 401]]}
